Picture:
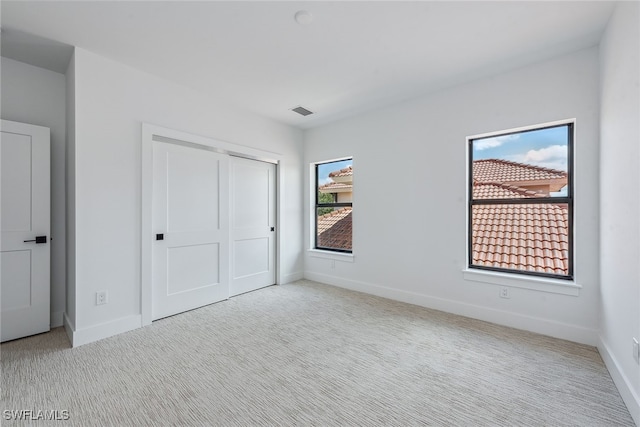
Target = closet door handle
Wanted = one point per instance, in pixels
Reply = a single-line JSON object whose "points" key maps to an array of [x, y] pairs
{"points": [[38, 239]]}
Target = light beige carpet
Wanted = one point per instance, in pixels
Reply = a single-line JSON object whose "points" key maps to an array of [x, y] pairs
{"points": [[308, 354]]}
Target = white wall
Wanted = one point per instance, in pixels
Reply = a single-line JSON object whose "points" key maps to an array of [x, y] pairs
{"points": [[111, 103], [413, 155], [37, 96], [620, 203]]}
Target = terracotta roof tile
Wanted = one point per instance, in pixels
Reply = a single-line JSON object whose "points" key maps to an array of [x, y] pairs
{"points": [[348, 171], [529, 237], [497, 170], [522, 237], [335, 186], [496, 190], [335, 229]]}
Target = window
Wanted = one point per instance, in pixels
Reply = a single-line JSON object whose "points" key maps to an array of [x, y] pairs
{"points": [[521, 201], [334, 196]]}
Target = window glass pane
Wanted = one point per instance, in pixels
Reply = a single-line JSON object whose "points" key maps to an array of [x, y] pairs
{"points": [[334, 181], [522, 165], [525, 237], [334, 228], [334, 186]]}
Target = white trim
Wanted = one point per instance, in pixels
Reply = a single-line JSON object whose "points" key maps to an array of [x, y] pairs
{"points": [[339, 159], [522, 129], [69, 327], [622, 382], [56, 319], [212, 143], [312, 209], [517, 280], [102, 330], [535, 283], [336, 256], [538, 325], [257, 155], [149, 134], [291, 277], [146, 245], [280, 276]]}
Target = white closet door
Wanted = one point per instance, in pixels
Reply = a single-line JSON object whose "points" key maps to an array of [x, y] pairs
{"points": [[253, 220], [191, 228], [25, 230]]}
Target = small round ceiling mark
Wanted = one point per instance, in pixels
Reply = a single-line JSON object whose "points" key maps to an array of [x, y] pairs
{"points": [[303, 17]]}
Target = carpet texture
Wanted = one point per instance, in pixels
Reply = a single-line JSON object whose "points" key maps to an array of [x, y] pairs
{"points": [[307, 354]]}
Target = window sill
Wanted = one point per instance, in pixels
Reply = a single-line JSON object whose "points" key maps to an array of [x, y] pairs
{"points": [[336, 256], [554, 286]]}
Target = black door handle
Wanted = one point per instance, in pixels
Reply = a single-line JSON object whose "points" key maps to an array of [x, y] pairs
{"points": [[273, 229], [38, 239], [160, 236]]}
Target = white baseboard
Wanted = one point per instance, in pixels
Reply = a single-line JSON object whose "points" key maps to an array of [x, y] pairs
{"points": [[104, 330], [528, 323], [622, 382], [291, 277], [56, 319], [69, 327]]}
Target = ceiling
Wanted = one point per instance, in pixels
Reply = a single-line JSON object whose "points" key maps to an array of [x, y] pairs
{"points": [[352, 57]]}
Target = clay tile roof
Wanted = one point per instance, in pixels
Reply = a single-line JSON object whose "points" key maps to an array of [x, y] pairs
{"points": [[335, 229], [335, 186], [530, 237], [522, 237], [496, 190], [497, 170], [348, 171]]}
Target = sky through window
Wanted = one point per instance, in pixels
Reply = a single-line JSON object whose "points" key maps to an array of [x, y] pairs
{"points": [[543, 147], [324, 169]]}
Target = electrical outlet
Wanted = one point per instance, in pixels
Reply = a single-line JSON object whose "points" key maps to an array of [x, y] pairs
{"points": [[636, 351], [504, 292], [101, 298]]}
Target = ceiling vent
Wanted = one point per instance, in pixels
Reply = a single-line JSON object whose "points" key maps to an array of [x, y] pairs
{"points": [[302, 111]]}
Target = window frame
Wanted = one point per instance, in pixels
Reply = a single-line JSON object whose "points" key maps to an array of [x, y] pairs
{"points": [[318, 205], [569, 200]]}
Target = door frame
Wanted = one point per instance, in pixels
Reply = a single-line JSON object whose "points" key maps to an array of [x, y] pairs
{"points": [[151, 133]]}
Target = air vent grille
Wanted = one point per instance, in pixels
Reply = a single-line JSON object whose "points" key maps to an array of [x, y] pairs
{"points": [[302, 111]]}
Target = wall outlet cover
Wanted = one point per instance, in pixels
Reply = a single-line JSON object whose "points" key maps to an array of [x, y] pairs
{"points": [[101, 297]]}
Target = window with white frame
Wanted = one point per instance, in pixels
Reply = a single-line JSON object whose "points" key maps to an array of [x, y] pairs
{"points": [[520, 203], [334, 205]]}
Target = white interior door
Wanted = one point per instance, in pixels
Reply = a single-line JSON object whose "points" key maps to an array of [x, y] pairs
{"points": [[24, 215], [191, 228], [253, 216]]}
